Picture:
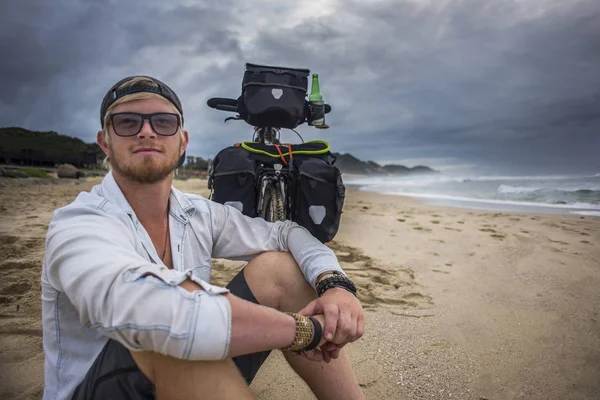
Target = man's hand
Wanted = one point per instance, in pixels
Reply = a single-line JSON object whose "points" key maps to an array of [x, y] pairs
{"points": [[344, 319]]}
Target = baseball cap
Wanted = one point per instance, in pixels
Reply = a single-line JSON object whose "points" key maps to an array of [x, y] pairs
{"points": [[161, 89]]}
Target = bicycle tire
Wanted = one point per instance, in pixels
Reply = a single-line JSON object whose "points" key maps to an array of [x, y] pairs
{"points": [[272, 209]]}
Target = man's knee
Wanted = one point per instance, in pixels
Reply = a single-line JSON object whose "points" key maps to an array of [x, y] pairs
{"points": [[278, 268], [273, 276]]}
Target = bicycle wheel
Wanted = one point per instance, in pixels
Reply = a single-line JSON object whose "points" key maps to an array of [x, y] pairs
{"points": [[272, 209]]}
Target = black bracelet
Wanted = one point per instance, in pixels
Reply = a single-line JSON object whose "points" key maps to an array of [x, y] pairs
{"points": [[318, 335], [339, 281]]}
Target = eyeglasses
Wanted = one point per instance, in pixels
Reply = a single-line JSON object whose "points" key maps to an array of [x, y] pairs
{"points": [[130, 124]]}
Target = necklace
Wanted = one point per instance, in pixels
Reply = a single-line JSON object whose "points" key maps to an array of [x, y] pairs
{"points": [[166, 238]]}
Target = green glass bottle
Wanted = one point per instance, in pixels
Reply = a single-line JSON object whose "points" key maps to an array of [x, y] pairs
{"points": [[315, 91], [317, 104]]}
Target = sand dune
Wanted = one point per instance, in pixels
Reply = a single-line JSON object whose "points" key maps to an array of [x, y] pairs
{"points": [[460, 304]]}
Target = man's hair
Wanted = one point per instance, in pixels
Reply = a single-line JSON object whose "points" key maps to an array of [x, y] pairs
{"points": [[140, 80]]}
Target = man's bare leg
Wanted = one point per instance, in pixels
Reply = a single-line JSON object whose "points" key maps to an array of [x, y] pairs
{"points": [[176, 379], [277, 282]]}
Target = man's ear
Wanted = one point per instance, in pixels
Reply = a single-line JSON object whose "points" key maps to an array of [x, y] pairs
{"points": [[102, 143], [186, 140]]}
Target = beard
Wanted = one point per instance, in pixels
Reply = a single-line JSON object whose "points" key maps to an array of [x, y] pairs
{"points": [[147, 169]]}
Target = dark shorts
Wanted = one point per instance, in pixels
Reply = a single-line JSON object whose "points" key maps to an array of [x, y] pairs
{"points": [[114, 375]]}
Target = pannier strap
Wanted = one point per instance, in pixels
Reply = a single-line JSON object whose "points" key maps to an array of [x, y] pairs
{"points": [[324, 149], [281, 154]]}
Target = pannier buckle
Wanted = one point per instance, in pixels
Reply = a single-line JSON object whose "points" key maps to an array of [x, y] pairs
{"points": [[278, 168]]}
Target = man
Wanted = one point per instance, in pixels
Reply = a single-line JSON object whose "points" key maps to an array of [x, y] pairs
{"points": [[128, 310]]}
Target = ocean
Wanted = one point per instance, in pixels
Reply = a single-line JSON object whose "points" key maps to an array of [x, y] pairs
{"points": [[578, 195]]}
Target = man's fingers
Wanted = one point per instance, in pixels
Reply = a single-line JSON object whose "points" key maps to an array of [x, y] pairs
{"points": [[314, 355], [326, 357], [360, 329], [344, 327], [311, 308], [335, 353], [331, 321]]}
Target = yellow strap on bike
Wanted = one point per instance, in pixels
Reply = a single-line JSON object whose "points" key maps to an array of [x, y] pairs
{"points": [[247, 146]]}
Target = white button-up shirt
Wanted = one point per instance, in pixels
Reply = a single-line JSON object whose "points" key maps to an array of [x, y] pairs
{"points": [[102, 278]]}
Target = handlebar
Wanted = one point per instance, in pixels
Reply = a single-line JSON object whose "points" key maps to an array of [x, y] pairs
{"points": [[223, 104], [226, 104]]}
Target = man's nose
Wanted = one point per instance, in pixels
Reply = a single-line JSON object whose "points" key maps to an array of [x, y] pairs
{"points": [[146, 130]]}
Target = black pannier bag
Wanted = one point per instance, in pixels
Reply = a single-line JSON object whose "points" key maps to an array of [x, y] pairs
{"points": [[232, 180], [320, 195], [274, 96]]}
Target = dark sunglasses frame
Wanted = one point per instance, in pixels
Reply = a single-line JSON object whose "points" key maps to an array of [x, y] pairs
{"points": [[144, 118]]}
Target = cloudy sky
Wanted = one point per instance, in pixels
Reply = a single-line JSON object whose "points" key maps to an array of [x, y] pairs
{"points": [[465, 86]]}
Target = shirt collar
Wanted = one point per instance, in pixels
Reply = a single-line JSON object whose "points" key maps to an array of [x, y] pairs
{"points": [[180, 205]]}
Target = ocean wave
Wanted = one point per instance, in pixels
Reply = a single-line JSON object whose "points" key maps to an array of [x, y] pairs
{"points": [[517, 189], [523, 178], [587, 213], [508, 189], [573, 205]]}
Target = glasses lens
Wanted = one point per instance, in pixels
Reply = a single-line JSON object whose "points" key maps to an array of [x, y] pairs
{"points": [[165, 124], [127, 124]]}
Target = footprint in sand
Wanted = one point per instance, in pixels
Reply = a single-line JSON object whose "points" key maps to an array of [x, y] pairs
{"points": [[17, 247], [452, 229], [8, 240], [440, 271], [16, 288], [379, 284], [19, 265], [420, 228]]}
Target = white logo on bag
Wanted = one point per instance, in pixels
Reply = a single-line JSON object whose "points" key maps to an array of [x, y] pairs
{"points": [[317, 214], [277, 93]]}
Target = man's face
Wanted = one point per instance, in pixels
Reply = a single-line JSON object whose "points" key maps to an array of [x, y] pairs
{"points": [[146, 157]]}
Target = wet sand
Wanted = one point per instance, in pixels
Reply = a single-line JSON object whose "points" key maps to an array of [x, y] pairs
{"points": [[460, 304]]}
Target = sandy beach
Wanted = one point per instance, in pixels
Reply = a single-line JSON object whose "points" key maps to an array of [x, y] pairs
{"points": [[460, 304]]}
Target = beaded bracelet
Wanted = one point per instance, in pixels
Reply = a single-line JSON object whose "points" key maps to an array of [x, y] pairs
{"points": [[305, 331], [338, 281]]}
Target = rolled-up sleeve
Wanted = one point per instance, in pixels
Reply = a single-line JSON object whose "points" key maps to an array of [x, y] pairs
{"points": [[236, 236], [92, 258]]}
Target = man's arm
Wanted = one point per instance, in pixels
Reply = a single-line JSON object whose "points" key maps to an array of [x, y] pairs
{"points": [[236, 236], [91, 257]]}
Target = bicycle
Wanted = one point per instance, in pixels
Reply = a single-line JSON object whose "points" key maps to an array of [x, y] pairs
{"points": [[276, 181]]}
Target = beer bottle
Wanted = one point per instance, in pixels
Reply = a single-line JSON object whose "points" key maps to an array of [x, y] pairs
{"points": [[317, 104]]}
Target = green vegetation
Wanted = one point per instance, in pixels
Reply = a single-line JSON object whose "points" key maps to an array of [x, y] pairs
{"points": [[24, 147], [35, 173], [349, 164]]}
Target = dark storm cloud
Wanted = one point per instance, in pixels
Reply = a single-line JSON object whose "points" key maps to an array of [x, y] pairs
{"points": [[506, 85]]}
